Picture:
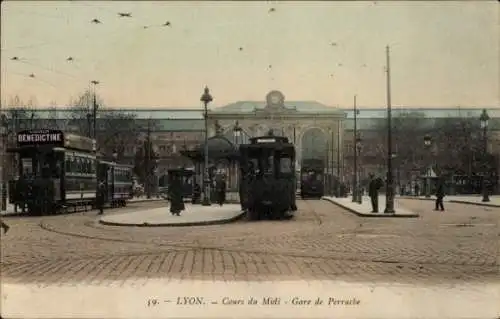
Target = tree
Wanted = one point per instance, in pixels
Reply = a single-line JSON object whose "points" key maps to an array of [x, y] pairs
{"points": [[146, 161], [18, 116], [408, 131], [114, 128]]}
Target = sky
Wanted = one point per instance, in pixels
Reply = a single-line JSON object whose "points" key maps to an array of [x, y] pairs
{"points": [[442, 54]]}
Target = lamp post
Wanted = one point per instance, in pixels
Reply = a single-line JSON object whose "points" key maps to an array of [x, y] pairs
{"points": [[427, 144], [357, 150], [237, 135], [206, 98], [389, 194], [355, 175], [484, 125], [89, 124], [94, 108]]}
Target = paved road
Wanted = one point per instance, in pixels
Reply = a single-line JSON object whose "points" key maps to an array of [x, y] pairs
{"points": [[322, 242]]}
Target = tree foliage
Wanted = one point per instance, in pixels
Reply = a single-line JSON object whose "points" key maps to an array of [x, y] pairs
{"points": [[145, 160], [457, 144], [19, 115]]}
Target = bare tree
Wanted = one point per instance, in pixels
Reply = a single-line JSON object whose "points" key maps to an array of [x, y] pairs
{"points": [[114, 128], [408, 131], [17, 116]]}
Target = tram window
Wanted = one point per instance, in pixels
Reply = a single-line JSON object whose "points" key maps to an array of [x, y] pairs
{"points": [[27, 167], [285, 165], [67, 164]]}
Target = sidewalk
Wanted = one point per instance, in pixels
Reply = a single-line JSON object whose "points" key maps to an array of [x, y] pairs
{"points": [[365, 208], [193, 215], [463, 199], [10, 207]]}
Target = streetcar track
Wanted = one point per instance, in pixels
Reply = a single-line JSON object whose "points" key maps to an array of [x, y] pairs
{"points": [[184, 247]]}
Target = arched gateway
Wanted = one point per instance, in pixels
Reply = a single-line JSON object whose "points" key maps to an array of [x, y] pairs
{"points": [[314, 128]]}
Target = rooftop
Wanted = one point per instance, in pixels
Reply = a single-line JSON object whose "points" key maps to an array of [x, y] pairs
{"points": [[301, 106]]}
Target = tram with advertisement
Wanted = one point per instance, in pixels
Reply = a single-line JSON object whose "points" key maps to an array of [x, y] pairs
{"points": [[57, 170], [267, 179]]}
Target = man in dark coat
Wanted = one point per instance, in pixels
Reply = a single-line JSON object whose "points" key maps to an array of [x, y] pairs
{"points": [[221, 191], [101, 192], [196, 193], [417, 189], [373, 188], [5, 227], [439, 195], [176, 199]]}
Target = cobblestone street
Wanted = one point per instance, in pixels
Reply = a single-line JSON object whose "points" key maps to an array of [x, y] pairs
{"points": [[321, 242]]}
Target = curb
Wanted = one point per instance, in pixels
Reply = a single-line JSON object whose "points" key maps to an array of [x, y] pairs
{"points": [[381, 215], [472, 203], [200, 223], [454, 201]]}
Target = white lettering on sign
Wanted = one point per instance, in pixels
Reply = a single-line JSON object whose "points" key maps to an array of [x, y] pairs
{"points": [[43, 137], [266, 140]]}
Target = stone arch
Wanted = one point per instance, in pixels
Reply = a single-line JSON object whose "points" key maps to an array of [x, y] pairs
{"points": [[313, 143]]}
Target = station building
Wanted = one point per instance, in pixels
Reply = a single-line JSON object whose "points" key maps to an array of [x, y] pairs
{"points": [[317, 130]]}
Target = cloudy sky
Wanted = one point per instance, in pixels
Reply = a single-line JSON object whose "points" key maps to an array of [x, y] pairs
{"points": [[442, 53]]}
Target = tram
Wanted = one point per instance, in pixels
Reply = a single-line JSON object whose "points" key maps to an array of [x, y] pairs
{"points": [[312, 184], [267, 179], [57, 170]]}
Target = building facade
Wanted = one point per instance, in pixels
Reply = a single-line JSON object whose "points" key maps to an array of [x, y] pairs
{"points": [[317, 130]]}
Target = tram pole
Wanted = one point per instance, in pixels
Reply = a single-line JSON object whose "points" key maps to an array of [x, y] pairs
{"points": [[3, 136], [355, 175], [389, 202], [94, 108]]}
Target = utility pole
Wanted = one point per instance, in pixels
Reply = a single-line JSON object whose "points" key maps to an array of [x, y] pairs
{"points": [[148, 150], [389, 202], [355, 175], [3, 183], [338, 159], [94, 108]]}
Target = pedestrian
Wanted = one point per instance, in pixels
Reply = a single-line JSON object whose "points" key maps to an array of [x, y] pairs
{"points": [[439, 195], [196, 193], [101, 193], [221, 191], [373, 188], [5, 227], [176, 198], [417, 189]]}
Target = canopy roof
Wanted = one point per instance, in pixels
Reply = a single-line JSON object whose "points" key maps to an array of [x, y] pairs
{"points": [[219, 147]]}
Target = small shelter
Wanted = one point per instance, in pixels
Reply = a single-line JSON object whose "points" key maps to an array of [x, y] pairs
{"points": [[222, 160]]}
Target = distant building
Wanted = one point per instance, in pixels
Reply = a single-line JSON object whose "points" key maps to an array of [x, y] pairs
{"points": [[311, 125]]}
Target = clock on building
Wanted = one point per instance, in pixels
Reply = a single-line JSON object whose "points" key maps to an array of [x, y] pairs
{"points": [[275, 98]]}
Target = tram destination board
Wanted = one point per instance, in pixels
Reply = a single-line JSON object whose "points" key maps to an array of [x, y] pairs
{"points": [[40, 137]]}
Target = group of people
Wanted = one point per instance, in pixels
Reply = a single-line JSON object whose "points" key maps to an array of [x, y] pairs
{"points": [[176, 196], [376, 183]]}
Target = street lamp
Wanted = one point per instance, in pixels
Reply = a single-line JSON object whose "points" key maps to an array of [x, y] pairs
{"points": [[89, 124], [237, 135], [206, 98], [389, 194], [484, 125], [358, 152], [427, 144]]}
